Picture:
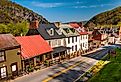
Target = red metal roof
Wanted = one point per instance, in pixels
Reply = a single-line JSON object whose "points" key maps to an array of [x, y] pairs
{"points": [[83, 33], [32, 46], [89, 32], [74, 25]]}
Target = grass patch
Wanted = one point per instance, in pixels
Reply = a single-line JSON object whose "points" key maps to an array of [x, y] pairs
{"points": [[111, 72]]}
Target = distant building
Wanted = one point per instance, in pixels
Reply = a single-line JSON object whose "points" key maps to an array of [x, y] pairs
{"points": [[83, 35], [72, 39], [100, 38], [113, 34]]}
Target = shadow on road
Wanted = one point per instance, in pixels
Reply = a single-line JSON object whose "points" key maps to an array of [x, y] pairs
{"points": [[69, 76], [98, 55]]}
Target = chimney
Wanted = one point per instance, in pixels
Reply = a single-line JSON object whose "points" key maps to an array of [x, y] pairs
{"points": [[34, 24], [80, 24], [57, 24]]}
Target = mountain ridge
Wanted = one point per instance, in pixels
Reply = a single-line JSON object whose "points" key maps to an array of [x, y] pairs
{"points": [[110, 17], [13, 12]]}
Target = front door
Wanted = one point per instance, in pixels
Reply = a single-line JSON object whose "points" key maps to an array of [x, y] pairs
{"points": [[3, 72], [14, 69]]}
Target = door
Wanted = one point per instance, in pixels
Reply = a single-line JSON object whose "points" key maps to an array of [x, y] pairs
{"points": [[3, 72], [14, 69]]}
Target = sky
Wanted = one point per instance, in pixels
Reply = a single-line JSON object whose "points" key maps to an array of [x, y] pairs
{"points": [[69, 10]]}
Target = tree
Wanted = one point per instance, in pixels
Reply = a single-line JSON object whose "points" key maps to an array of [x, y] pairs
{"points": [[16, 29]]}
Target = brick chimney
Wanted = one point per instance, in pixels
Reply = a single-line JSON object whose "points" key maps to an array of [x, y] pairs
{"points": [[34, 24], [80, 24], [57, 24]]}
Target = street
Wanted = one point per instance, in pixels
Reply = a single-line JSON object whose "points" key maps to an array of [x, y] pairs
{"points": [[67, 71]]}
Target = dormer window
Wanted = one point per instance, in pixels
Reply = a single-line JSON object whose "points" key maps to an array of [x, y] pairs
{"points": [[73, 30], [67, 30], [59, 31], [50, 31]]}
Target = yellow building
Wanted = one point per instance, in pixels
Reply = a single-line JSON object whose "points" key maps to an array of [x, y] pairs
{"points": [[10, 60]]}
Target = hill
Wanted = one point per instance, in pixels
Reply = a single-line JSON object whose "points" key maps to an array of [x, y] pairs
{"points": [[13, 12], [111, 17]]}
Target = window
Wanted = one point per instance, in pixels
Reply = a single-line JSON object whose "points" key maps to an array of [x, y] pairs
{"points": [[2, 56], [49, 43], [75, 47], [54, 43], [14, 67], [72, 39], [76, 39], [3, 72], [59, 32], [51, 31], [68, 40], [86, 36], [83, 44], [59, 42], [72, 48]]}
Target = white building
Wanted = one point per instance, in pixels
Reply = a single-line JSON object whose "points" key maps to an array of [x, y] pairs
{"points": [[72, 39], [83, 41], [83, 36]]}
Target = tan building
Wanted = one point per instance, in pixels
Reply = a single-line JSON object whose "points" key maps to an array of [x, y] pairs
{"points": [[10, 60], [99, 38]]}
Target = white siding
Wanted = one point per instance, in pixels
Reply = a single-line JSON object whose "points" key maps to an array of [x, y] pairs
{"points": [[73, 44], [84, 42], [56, 42]]}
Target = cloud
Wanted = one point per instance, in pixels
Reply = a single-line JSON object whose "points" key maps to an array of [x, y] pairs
{"points": [[78, 2], [54, 4], [80, 6], [93, 6], [46, 5]]}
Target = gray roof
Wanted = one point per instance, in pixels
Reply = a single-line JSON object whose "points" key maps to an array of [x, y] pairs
{"points": [[42, 30], [68, 31]]}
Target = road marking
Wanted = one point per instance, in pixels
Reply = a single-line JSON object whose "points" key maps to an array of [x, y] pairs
{"points": [[63, 71]]}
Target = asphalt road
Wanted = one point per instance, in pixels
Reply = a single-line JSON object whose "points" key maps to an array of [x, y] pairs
{"points": [[68, 71]]}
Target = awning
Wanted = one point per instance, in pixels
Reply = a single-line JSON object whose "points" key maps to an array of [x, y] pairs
{"points": [[60, 49]]}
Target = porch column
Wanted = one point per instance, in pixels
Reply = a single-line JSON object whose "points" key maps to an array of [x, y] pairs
{"points": [[52, 57], [23, 65], [35, 61], [43, 57], [59, 57]]}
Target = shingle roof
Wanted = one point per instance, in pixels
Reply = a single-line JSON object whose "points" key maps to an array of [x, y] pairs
{"points": [[42, 30], [67, 30], [32, 46], [7, 41]]}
